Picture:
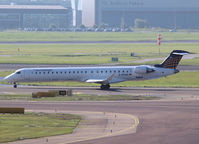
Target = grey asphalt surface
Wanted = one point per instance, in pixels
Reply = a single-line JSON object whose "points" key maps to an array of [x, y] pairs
{"points": [[161, 122], [174, 119], [8, 67], [165, 93]]}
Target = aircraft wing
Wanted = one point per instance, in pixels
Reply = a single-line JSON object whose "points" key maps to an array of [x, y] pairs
{"points": [[94, 81], [101, 81]]}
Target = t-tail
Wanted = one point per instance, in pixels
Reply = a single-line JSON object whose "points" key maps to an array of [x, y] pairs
{"points": [[173, 59]]}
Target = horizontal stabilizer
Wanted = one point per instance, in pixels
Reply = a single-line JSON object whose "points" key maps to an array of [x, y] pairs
{"points": [[180, 53]]}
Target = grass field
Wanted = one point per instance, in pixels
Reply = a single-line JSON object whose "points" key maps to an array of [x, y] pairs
{"points": [[94, 36], [31, 125], [99, 53], [78, 97], [182, 79], [90, 53]]}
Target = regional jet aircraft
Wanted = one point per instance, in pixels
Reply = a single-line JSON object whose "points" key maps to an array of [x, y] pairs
{"points": [[101, 75]]}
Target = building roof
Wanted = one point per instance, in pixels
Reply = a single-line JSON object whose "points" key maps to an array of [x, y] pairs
{"points": [[33, 7]]}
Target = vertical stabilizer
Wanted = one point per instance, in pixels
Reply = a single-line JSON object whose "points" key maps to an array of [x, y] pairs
{"points": [[173, 59]]}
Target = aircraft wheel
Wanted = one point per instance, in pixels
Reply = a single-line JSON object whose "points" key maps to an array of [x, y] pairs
{"points": [[105, 87], [15, 85], [102, 87]]}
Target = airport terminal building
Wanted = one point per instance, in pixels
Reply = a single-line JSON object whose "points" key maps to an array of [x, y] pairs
{"points": [[158, 13]]}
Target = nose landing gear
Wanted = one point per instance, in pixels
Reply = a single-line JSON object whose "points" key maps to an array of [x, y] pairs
{"points": [[15, 85], [105, 87]]}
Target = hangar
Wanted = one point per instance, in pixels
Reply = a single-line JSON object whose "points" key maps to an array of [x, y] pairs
{"points": [[166, 14], [12, 16]]}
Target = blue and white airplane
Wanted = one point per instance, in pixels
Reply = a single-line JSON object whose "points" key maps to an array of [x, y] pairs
{"points": [[101, 75]]}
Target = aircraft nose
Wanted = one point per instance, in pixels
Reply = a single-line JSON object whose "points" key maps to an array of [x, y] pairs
{"points": [[176, 71], [8, 79]]}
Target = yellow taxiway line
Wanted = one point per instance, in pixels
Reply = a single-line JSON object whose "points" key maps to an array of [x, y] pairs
{"points": [[121, 132]]}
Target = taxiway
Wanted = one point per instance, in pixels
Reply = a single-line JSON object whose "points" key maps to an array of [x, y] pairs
{"points": [[161, 122], [173, 119]]}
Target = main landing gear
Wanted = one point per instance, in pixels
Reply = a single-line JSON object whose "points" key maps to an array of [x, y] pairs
{"points": [[105, 87], [15, 85]]}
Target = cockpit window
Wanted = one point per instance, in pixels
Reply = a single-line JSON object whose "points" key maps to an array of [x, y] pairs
{"points": [[18, 72]]}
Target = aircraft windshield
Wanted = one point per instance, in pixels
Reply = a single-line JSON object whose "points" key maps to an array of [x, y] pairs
{"points": [[18, 72]]}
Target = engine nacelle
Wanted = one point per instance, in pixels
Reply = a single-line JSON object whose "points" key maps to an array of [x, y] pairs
{"points": [[143, 70]]}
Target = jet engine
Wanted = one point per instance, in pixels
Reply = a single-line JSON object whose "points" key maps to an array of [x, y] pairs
{"points": [[143, 70]]}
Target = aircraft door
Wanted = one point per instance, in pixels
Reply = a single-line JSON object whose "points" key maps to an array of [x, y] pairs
{"points": [[20, 75], [130, 73], [26, 75]]}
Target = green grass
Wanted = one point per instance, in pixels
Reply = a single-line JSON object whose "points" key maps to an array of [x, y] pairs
{"points": [[182, 79], [78, 97], [193, 62], [15, 97], [94, 36], [31, 125], [89, 53], [5, 73], [99, 98]]}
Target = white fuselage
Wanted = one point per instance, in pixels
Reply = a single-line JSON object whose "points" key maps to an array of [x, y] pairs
{"points": [[82, 74]]}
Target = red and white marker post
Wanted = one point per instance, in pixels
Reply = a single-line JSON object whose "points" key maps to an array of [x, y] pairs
{"points": [[159, 41]]}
